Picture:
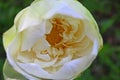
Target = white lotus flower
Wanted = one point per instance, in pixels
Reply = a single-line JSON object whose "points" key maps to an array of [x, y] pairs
{"points": [[51, 39]]}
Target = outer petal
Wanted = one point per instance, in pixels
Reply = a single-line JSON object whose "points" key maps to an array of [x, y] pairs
{"points": [[25, 19], [9, 36], [11, 56], [90, 24], [53, 7]]}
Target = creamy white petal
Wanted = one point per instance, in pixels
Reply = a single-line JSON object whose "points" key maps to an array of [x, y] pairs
{"points": [[45, 57], [26, 57], [31, 35], [63, 9], [64, 60], [92, 32], [35, 70], [44, 64], [48, 27], [27, 20], [41, 45], [54, 7], [17, 20], [11, 56], [41, 8]]}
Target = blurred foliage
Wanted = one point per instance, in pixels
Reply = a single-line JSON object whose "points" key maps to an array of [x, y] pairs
{"points": [[107, 14]]}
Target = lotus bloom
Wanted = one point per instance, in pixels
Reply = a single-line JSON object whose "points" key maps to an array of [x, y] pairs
{"points": [[51, 39]]}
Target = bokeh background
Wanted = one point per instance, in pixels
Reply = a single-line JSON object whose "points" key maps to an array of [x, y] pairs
{"points": [[107, 14]]}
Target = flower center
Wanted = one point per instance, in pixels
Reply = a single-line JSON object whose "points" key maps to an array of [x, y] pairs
{"points": [[55, 35]]}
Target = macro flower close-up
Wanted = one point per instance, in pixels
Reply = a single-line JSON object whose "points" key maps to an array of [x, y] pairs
{"points": [[51, 39]]}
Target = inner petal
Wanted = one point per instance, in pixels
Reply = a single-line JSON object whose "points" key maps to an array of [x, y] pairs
{"points": [[26, 56]]}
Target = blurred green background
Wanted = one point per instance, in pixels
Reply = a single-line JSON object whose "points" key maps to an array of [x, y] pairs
{"points": [[107, 14]]}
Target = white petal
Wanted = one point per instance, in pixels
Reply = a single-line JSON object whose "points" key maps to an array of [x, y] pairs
{"points": [[31, 35], [64, 60], [82, 48], [11, 56], [41, 45], [62, 8], [26, 57], [44, 64], [27, 20], [48, 27], [53, 7], [92, 32], [45, 57], [35, 70], [18, 17]]}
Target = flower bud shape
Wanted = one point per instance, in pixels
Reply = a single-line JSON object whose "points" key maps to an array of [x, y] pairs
{"points": [[51, 39]]}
